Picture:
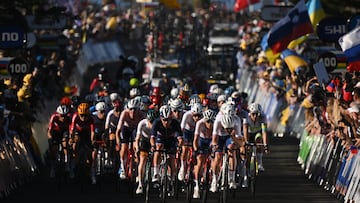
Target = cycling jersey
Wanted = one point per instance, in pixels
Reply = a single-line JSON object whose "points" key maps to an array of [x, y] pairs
{"points": [[83, 128], [257, 125], [224, 139], [111, 121], [166, 136], [204, 136], [127, 125], [144, 132], [99, 127], [188, 126], [58, 127]]}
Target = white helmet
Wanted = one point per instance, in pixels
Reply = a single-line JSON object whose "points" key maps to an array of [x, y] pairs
{"points": [[255, 108], [165, 111], [193, 99], [62, 109], [174, 92], [209, 114], [176, 104], [134, 92], [100, 106], [227, 108], [227, 121], [196, 108], [133, 103], [114, 96]]}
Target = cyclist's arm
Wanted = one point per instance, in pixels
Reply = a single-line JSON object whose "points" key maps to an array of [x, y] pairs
{"points": [[119, 127], [196, 136], [49, 135], [138, 135]]}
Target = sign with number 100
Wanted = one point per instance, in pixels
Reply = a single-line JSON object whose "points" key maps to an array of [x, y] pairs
{"points": [[18, 66]]}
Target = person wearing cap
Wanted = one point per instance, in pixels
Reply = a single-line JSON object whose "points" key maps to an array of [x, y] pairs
{"points": [[166, 84]]}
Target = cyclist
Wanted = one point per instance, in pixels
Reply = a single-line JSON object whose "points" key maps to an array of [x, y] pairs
{"points": [[255, 130], [82, 131], [187, 125], [226, 133], [201, 144], [58, 127], [126, 131], [99, 117], [111, 122], [142, 144], [165, 135]]}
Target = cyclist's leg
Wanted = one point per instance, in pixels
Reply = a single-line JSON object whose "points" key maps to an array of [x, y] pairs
{"points": [[144, 152], [188, 137], [125, 136], [157, 158], [215, 165], [259, 152], [232, 150]]}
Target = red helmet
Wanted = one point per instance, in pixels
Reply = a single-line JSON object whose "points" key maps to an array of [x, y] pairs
{"points": [[65, 101], [156, 100], [156, 91], [205, 102]]}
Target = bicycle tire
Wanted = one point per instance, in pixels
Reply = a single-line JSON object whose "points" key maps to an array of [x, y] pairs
{"points": [[164, 181], [253, 174], [189, 185], [131, 175], [176, 181], [205, 184], [225, 180], [147, 179]]}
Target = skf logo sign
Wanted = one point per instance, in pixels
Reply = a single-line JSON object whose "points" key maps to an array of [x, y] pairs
{"points": [[331, 29], [11, 37]]}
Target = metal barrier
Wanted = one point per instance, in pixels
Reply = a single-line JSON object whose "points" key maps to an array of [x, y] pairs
{"points": [[323, 159]]}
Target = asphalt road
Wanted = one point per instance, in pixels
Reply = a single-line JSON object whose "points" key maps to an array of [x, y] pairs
{"points": [[283, 181]]}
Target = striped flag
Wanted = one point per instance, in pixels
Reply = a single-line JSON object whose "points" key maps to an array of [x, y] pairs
{"points": [[294, 25], [350, 45], [316, 12]]}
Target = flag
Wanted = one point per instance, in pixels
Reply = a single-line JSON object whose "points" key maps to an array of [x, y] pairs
{"points": [[242, 4], [316, 12], [294, 25], [350, 45], [268, 52], [293, 60]]}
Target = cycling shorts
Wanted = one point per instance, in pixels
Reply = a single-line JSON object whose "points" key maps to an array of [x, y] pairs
{"points": [[144, 144], [188, 136], [254, 136], [170, 144], [223, 141], [204, 145], [127, 134]]}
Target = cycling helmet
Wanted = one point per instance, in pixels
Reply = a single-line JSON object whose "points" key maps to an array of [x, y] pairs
{"points": [[255, 108], [229, 90], [114, 96], [152, 115], [133, 103], [65, 101], [174, 92], [227, 121], [196, 108], [62, 109], [165, 111], [209, 114], [134, 92], [176, 104], [221, 98], [156, 91], [145, 99], [100, 106], [227, 109], [193, 99], [83, 108], [134, 82]]}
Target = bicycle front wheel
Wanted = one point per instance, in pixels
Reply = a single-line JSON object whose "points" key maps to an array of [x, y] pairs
{"points": [[253, 174], [147, 180], [164, 181]]}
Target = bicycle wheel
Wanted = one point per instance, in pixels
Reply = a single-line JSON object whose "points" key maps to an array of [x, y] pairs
{"points": [[131, 175], [224, 179], [164, 183], [189, 182], [252, 172], [147, 179], [205, 183], [176, 181]]}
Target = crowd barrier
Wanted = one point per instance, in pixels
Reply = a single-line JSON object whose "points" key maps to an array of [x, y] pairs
{"points": [[325, 161], [17, 164]]}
